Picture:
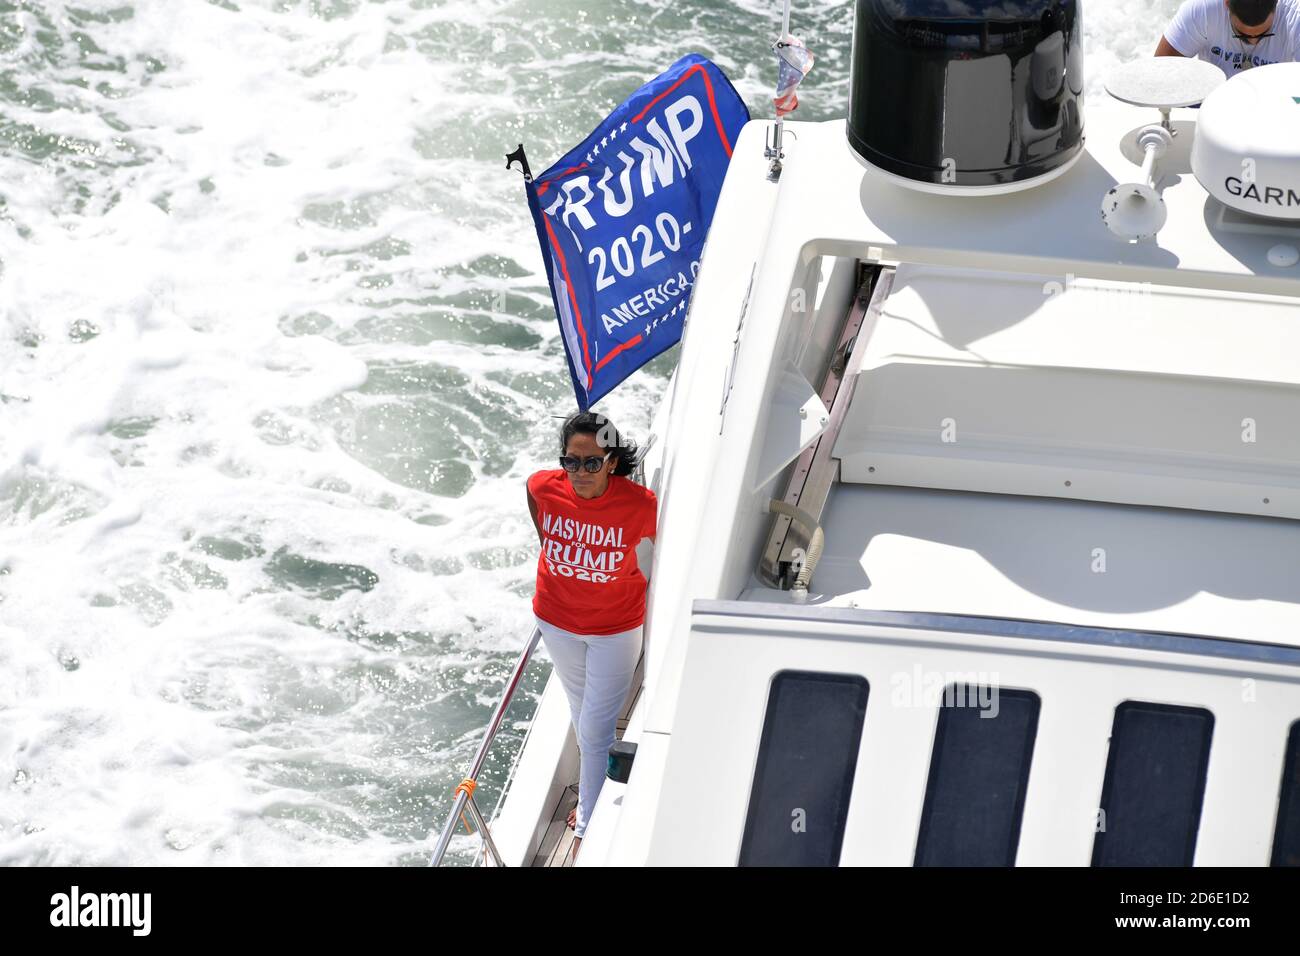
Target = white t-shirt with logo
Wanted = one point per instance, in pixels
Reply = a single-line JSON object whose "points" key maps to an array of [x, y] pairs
{"points": [[1201, 28]]}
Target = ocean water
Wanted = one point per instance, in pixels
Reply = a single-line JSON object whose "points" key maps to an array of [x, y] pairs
{"points": [[276, 356]]}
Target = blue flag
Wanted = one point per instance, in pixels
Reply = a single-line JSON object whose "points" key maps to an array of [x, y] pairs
{"points": [[622, 219]]}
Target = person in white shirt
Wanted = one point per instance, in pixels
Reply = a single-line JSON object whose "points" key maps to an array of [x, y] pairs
{"points": [[1234, 35]]}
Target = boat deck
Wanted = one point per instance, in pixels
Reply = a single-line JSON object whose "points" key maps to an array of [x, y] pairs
{"points": [[1050, 559], [1087, 452], [556, 847]]}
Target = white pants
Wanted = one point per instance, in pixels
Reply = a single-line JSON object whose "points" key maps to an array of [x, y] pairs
{"points": [[596, 673]]}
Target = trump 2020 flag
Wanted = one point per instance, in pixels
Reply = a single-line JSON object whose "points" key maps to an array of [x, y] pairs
{"points": [[622, 219]]}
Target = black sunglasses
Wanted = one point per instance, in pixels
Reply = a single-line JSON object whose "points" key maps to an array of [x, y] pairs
{"points": [[592, 463], [1251, 38]]}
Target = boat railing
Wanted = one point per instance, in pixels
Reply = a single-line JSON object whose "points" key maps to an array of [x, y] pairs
{"points": [[464, 800], [638, 472]]}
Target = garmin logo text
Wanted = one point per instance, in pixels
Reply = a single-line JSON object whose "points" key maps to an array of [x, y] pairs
{"points": [[1270, 194], [102, 909]]}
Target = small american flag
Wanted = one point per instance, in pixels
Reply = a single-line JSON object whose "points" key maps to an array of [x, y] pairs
{"points": [[794, 60]]}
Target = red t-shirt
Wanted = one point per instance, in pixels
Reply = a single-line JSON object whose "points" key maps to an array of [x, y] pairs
{"points": [[588, 581]]}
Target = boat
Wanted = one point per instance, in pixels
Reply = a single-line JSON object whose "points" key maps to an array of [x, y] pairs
{"points": [[986, 408]]}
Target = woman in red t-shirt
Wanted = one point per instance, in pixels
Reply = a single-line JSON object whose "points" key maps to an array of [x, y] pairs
{"points": [[590, 595]]}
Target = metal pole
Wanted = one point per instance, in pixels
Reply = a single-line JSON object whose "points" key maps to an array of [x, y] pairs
{"points": [[481, 756], [774, 152], [483, 829], [447, 831]]}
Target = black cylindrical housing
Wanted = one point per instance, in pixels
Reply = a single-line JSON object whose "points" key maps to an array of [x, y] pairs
{"points": [[967, 92]]}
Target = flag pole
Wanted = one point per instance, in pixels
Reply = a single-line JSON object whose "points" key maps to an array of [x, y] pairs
{"points": [[773, 152]]}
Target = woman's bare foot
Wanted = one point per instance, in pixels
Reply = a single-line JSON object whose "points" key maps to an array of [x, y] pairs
{"points": [[573, 818]]}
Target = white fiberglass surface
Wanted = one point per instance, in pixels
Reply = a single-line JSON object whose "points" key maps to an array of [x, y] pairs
{"points": [[1106, 565]]}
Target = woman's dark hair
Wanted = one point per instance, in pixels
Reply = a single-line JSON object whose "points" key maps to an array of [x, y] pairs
{"points": [[1252, 12], [607, 436]]}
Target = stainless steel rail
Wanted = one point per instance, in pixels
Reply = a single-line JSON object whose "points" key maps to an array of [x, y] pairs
{"points": [[465, 789]]}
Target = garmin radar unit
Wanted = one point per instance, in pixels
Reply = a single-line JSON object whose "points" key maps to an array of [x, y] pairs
{"points": [[1247, 148]]}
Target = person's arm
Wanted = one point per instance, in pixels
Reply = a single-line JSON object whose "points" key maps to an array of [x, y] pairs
{"points": [[652, 526], [1187, 33], [532, 510], [1166, 48]]}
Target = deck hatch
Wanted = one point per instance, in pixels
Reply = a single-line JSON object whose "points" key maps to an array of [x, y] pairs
{"points": [[1155, 779], [979, 769], [1286, 836], [807, 757]]}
